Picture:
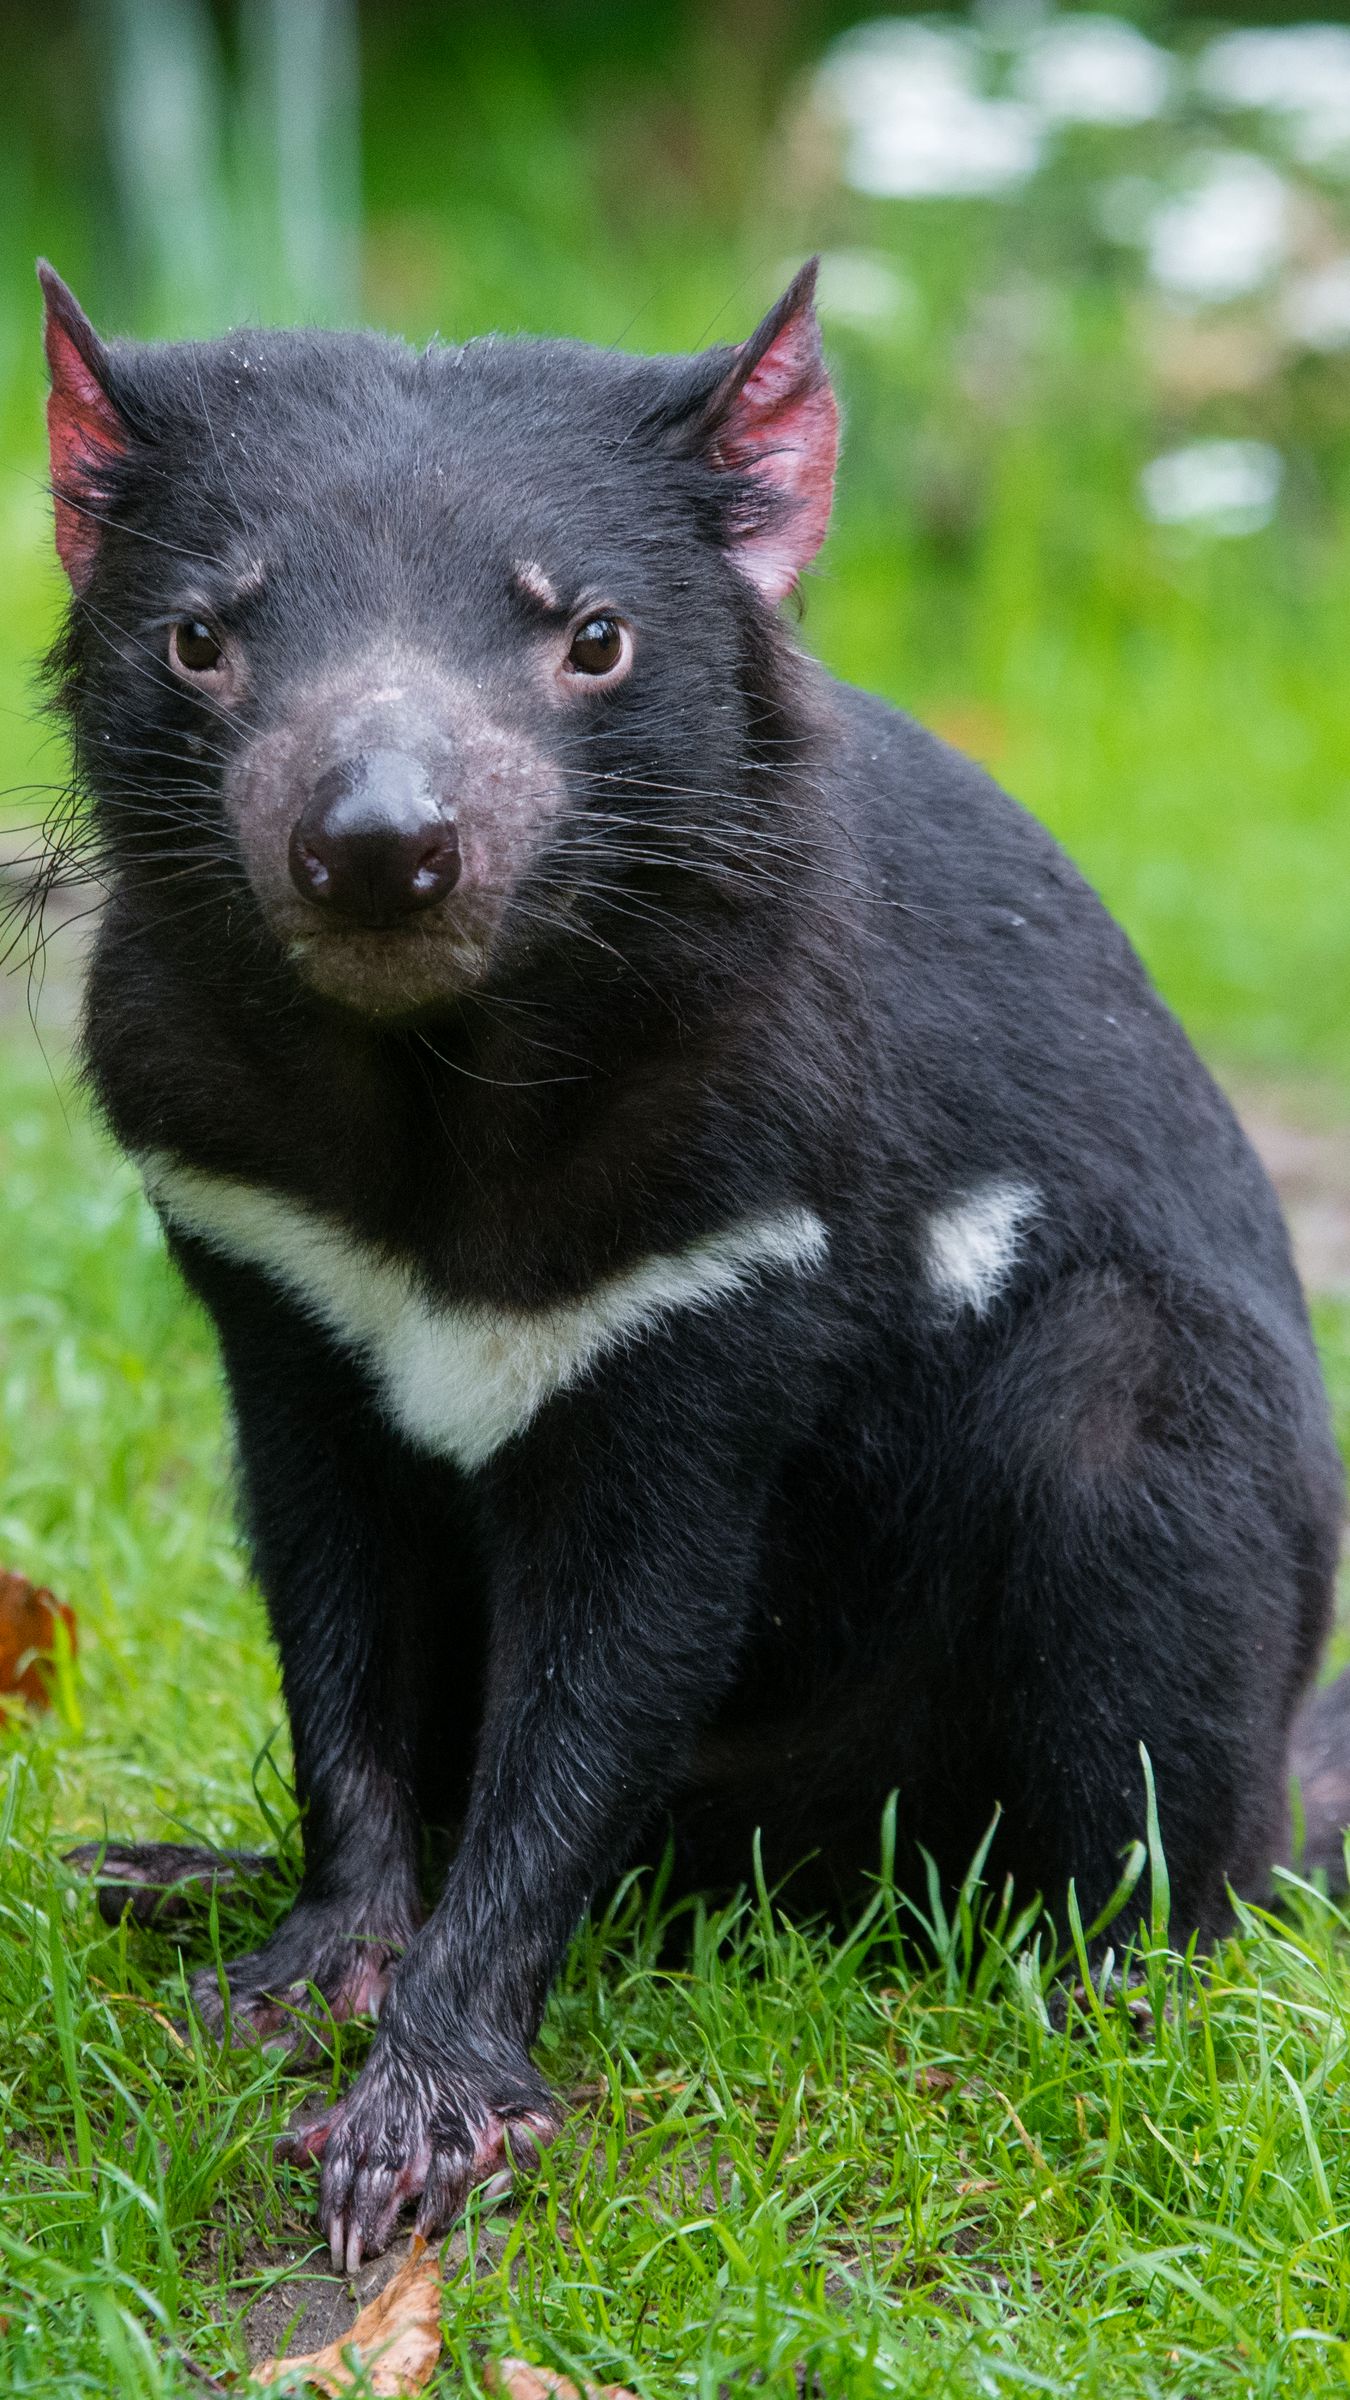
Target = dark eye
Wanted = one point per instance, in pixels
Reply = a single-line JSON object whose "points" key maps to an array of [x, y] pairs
{"points": [[195, 647], [597, 646]]}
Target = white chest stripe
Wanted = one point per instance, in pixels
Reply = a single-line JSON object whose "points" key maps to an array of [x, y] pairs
{"points": [[973, 1247], [460, 1378]]}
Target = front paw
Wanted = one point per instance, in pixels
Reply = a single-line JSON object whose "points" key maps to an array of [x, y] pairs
{"points": [[317, 1961], [411, 2128]]}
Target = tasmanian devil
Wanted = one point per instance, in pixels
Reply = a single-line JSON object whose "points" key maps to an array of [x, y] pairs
{"points": [[736, 1296]]}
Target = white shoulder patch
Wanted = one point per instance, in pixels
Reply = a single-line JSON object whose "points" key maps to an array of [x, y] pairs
{"points": [[971, 1249], [460, 1378]]}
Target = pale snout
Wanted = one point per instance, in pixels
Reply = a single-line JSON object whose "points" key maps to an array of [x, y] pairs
{"points": [[375, 842]]}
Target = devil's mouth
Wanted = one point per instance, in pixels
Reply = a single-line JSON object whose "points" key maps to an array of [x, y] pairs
{"points": [[408, 934], [453, 953], [388, 971], [457, 935]]}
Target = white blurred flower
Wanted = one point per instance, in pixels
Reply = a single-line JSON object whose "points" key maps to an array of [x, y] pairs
{"points": [[1225, 488], [1300, 72], [862, 287], [918, 126], [1226, 236], [1315, 308], [1095, 70], [1286, 66], [861, 70]]}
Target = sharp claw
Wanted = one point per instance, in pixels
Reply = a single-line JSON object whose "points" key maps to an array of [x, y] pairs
{"points": [[336, 2244], [364, 2209]]}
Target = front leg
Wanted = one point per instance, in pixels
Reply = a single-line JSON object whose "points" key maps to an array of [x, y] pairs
{"points": [[333, 1537], [624, 1528]]}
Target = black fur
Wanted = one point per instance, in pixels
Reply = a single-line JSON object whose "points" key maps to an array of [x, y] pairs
{"points": [[774, 948]]}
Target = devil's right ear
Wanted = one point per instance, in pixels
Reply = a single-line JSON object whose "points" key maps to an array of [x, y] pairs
{"points": [[85, 429]]}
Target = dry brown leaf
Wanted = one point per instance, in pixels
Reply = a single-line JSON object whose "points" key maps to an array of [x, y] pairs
{"points": [[934, 2079], [396, 2340], [515, 2378], [29, 1615]]}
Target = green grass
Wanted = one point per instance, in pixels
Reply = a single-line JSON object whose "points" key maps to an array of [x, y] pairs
{"points": [[790, 2158], [785, 2160]]}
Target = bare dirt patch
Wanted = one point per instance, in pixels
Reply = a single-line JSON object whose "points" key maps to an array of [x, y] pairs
{"points": [[304, 2306], [1303, 1135]]}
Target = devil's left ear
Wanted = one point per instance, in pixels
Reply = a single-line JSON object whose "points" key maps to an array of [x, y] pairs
{"points": [[85, 429], [772, 424]]}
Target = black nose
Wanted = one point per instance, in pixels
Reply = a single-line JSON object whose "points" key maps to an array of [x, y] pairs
{"points": [[373, 843]]}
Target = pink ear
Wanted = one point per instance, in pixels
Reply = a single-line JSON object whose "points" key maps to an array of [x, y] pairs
{"points": [[84, 429], [773, 419]]}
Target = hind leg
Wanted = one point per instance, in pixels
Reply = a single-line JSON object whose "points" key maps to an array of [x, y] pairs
{"points": [[162, 1884], [1125, 1533], [1161, 1510]]}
